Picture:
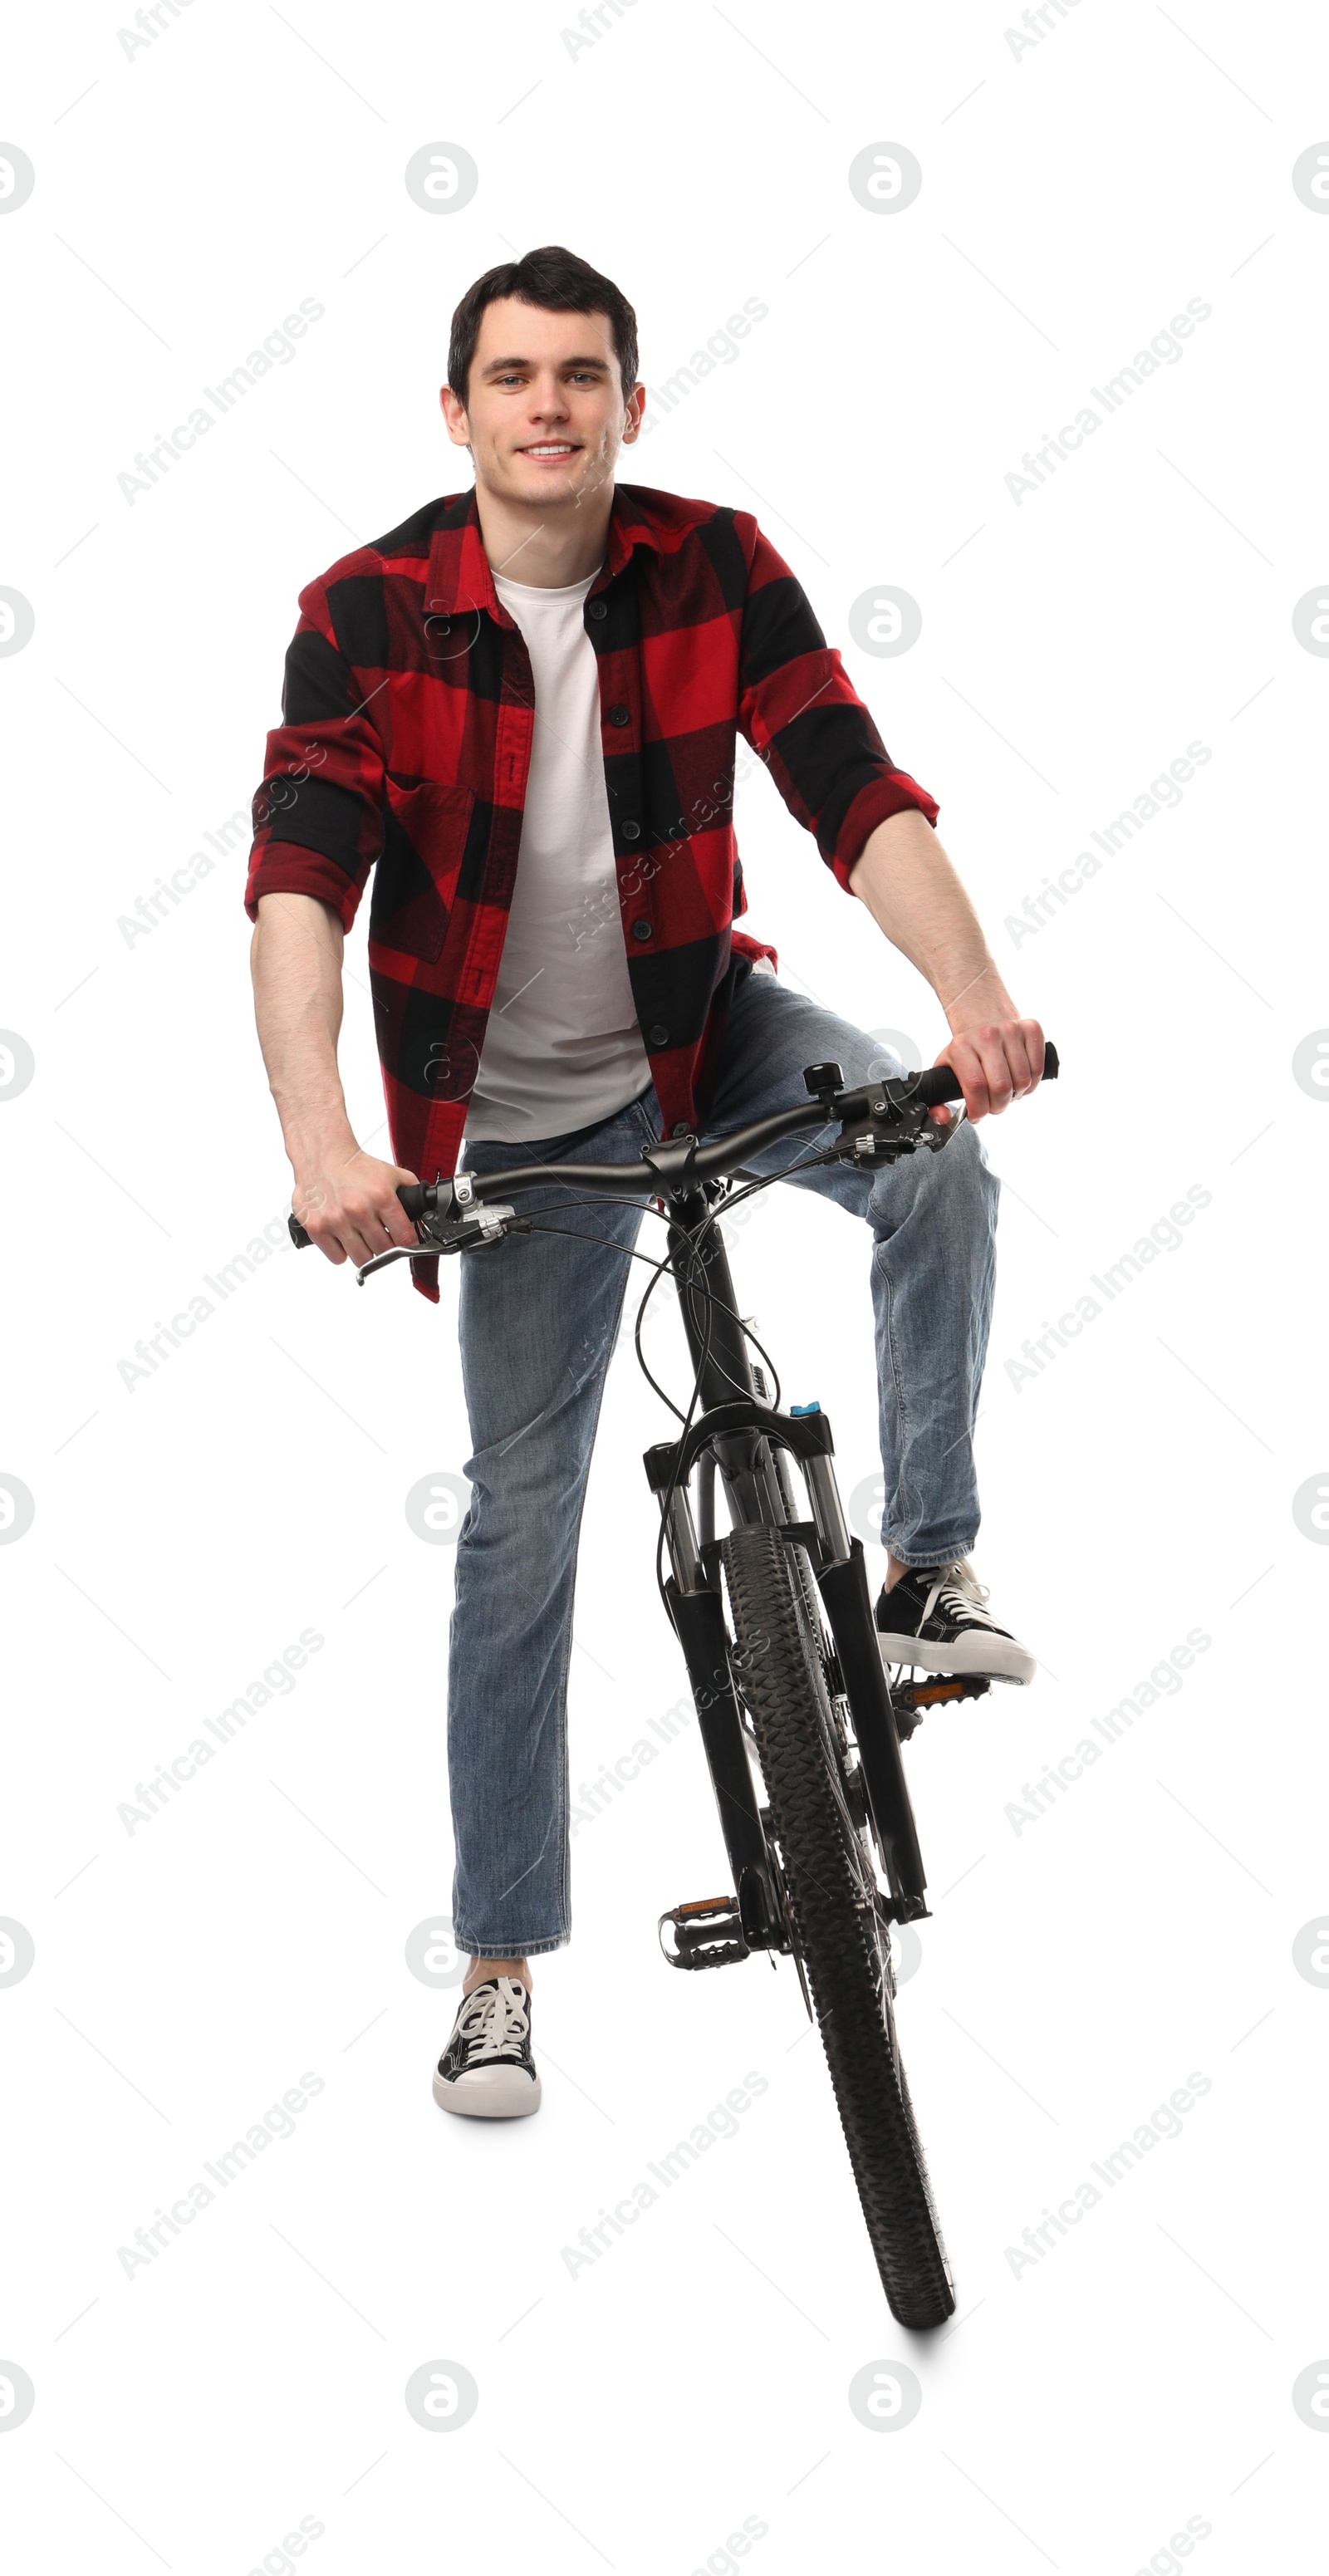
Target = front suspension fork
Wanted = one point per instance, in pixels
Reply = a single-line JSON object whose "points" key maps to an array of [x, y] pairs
{"points": [[841, 1571], [844, 1589], [698, 1618]]}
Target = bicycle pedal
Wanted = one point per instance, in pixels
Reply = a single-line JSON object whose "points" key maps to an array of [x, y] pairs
{"points": [[954, 1686], [910, 1701], [707, 1933]]}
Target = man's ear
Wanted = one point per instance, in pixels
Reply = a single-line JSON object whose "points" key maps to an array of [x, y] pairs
{"points": [[632, 418], [454, 417]]}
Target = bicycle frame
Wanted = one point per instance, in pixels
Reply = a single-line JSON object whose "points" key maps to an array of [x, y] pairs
{"points": [[750, 1443], [743, 1438]]}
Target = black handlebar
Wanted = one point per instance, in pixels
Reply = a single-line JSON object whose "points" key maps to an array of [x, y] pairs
{"points": [[690, 1162]]}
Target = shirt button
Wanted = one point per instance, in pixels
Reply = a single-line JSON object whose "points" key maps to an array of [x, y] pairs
{"points": [[619, 716], [641, 930], [597, 608], [631, 831], [657, 1037]]}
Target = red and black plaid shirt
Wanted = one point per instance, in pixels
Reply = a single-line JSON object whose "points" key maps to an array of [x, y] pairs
{"points": [[405, 746]]}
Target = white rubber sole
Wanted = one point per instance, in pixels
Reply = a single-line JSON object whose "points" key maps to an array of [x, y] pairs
{"points": [[489, 2093], [1001, 1658]]}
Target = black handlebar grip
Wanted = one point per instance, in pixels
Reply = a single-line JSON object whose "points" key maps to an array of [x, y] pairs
{"points": [[411, 1194], [939, 1083]]}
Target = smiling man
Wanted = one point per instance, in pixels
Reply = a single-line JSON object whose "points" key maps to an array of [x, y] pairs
{"points": [[520, 709]]}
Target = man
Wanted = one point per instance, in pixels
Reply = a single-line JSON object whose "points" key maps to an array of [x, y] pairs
{"points": [[520, 709]]}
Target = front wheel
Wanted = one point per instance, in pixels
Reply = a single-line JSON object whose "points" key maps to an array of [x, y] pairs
{"points": [[831, 1892]]}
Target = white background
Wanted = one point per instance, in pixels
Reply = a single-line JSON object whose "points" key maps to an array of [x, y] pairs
{"points": [[1074, 197]]}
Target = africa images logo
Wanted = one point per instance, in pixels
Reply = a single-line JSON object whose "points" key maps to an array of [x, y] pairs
{"points": [[1166, 348]]}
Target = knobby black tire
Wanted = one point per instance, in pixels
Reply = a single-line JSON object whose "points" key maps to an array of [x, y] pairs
{"points": [[826, 1875]]}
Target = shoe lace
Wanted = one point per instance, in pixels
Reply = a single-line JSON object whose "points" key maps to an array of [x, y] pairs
{"points": [[960, 1593], [492, 2022]]}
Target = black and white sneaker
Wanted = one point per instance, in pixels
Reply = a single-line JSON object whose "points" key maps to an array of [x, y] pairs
{"points": [[487, 2069], [935, 1617]]}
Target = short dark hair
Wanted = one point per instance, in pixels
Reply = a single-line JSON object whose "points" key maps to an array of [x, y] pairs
{"points": [[562, 283]]}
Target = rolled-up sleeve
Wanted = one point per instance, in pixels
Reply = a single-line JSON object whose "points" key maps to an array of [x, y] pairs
{"points": [[318, 815], [803, 718]]}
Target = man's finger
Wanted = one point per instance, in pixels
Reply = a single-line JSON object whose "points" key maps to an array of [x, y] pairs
{"points": [[1020, 1071], [364, 1244], [1030, 1038], [397, 1223], [1033, 1041], [389, 1212], [979, 1074], [1004, 1069], [369, 1231]]}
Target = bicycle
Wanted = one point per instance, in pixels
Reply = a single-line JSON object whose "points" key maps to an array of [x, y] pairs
{"points": [[800, 1722]]}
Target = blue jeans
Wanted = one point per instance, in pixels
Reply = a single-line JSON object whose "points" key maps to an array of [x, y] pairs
{"points": [[539, 1317]]}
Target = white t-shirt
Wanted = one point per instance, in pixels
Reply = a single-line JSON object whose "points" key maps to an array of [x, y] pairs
{"points": [[562, 1045]]}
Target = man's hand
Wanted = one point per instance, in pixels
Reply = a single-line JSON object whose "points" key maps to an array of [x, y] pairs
{"points": [[345, 1199], [997, 1061], [347, 1202], [907, 882]]}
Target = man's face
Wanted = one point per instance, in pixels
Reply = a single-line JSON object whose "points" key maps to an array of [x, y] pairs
{"points": [[545, 413]]}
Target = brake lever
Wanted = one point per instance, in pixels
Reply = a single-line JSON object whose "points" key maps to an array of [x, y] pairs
{"points": [[450, 1234], [937, 1132], [894, 1127]]}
